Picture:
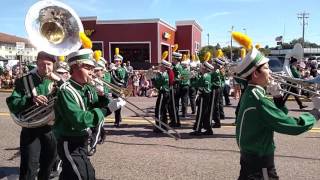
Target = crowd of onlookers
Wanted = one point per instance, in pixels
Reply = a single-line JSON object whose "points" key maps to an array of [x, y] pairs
{"points": [[141, 84]]}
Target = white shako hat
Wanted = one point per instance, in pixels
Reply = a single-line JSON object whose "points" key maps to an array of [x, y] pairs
{"points": [[253, 59], [82, 56]]}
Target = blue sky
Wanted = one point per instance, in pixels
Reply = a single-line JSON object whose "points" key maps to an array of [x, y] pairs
{"points": [[262, 20]]}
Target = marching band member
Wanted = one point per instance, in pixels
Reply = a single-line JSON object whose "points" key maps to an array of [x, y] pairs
{"points": [[217, 113], [119, 77], [176, 67], [37, 145], [296, 74], [258, 117], [163, 82], [98, 133], [194, 77], [77, 109], [184, 84], [203, 118], [62, 69]]}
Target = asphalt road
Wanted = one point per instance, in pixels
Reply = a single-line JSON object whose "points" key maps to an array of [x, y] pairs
{"points": [[134, 152]]}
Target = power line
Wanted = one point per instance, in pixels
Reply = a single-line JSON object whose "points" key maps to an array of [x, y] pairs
{"points": [[303, 16]]}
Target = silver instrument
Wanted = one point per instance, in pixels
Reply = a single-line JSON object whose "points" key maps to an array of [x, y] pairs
{"points": [[53, 27], [35, 116]]}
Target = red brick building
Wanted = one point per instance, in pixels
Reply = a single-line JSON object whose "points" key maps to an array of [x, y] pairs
{"points": [[142, 41]]}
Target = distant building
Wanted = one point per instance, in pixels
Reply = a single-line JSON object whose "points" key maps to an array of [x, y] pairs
{"points": [[281, 53], [8, 48], [142, 41]]}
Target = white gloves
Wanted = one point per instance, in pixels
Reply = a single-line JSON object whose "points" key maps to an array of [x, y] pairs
{"points": [[100, 90], [274, 89], [116, 104]]}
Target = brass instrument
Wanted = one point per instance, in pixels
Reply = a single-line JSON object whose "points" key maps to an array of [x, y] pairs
{"points": [[297, 83], [36, 116], [52, 27], [123, 92]]}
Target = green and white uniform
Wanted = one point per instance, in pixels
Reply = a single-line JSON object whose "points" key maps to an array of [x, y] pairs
{"points": [[38, 144], [257, 120], [203, 118]]}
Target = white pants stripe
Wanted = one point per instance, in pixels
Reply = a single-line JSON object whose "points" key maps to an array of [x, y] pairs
{"points": [[69, 157]]}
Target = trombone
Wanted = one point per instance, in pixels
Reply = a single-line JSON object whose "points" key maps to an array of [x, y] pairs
{"points": [[295, 83], [123, 92]]}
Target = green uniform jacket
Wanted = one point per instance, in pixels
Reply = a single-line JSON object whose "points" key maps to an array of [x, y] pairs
{"points": [[162, 81], [177, 68], [194, 80], [122, 74], [185, 77], [259, 118], [205, 83], [72, 119], [295, 72], [107, 77], [216, 79], [21, 97]]}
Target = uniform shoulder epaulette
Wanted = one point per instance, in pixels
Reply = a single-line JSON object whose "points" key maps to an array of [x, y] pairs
{"points": [[257, 93]]}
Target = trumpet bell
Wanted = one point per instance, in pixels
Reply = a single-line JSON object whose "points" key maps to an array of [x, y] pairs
{"points": [[53, 27]]}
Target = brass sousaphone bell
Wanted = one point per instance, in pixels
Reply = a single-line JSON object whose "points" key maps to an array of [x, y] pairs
{"points": [[53, 27]]}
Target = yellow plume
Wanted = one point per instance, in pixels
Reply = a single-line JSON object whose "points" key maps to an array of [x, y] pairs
{"points": [[257, 46], [165, 55], [117, 51], [97, 55], [86, 42], [219, 53], [242, 39], [207, 56], [61, 58], [188, 56], [193, 57], [197, 57], [175, 47], [242, 53]]}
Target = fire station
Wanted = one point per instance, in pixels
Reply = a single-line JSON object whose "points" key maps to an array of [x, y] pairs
{"points": [[142, 41]]}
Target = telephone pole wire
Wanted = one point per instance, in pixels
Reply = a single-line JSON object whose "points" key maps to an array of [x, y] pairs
{"points": [[303, 16]]}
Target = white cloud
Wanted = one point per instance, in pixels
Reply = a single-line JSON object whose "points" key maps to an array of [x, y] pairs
{"points": [[211, 16]]}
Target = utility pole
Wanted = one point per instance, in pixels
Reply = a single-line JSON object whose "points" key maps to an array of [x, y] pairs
{"points": [[208, 38], [231, 54], [304, 16]]}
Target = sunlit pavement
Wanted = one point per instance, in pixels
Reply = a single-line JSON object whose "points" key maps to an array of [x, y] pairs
{"points": [[133, 151]]}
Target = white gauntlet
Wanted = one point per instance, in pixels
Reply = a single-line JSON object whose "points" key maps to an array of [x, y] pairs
{"points": [[116, 104]]}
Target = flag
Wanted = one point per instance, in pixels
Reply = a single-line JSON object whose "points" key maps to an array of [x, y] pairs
{"points": [[278, 39]]}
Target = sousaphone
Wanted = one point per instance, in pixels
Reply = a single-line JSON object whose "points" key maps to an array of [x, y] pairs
{"points": [[52, 27]]}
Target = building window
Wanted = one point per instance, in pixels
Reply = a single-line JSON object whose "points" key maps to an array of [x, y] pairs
{"points": [[197, 46], [137, 54]]}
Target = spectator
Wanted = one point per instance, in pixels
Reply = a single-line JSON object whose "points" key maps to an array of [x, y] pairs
{"points": [[135, 82], [144, 84]]}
